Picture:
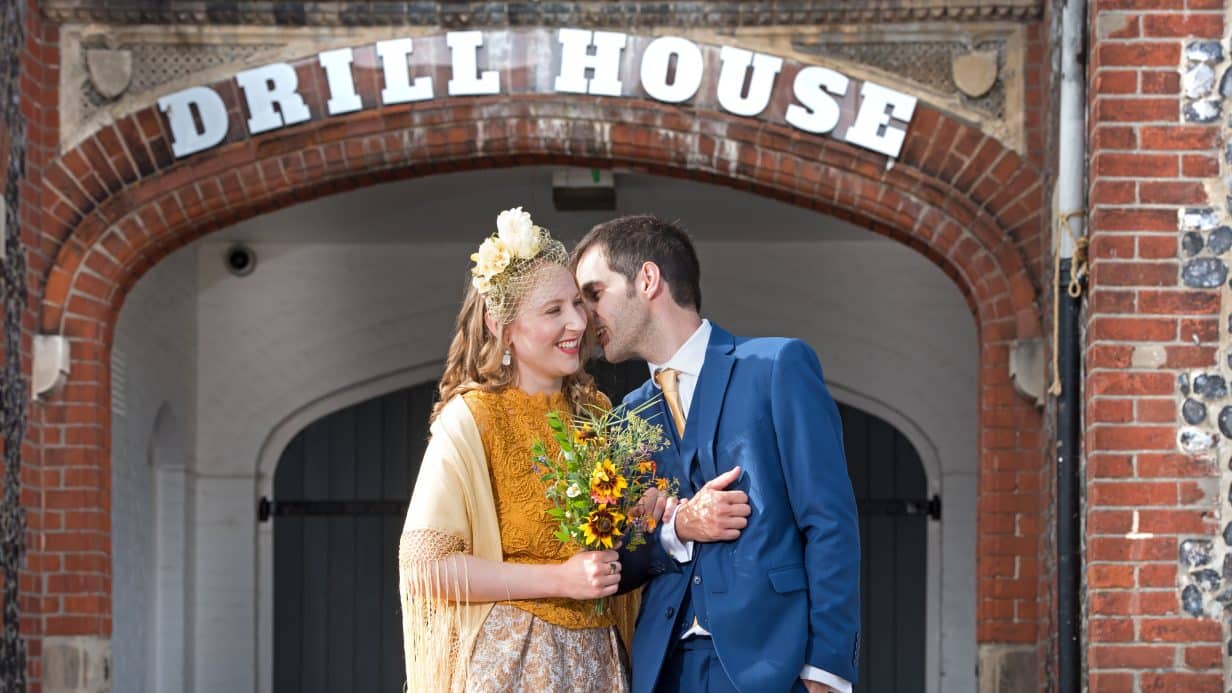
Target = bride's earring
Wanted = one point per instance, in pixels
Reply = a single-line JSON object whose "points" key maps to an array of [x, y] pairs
{"points": [[507, 357]]}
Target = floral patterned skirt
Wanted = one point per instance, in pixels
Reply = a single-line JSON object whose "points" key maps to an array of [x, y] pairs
{"points": [[517, 651]]}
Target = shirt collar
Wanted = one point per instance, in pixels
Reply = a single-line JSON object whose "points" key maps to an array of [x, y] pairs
{"points": [[690, 356]]}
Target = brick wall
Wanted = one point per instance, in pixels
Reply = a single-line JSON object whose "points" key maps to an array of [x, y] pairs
{"points": [[1154, 328], [39, 75]]}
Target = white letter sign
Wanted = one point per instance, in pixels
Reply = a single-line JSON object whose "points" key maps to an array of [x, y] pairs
{"points": [[731, 80], [655, 61], [342, 96], [464, 49], [693, 77], [574, 60], [816, 87], [398, 86], [872, 128], [186, 138], [266, 87]]}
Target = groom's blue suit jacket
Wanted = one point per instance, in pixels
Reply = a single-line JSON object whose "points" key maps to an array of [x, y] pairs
{"points": [[786, 593]]}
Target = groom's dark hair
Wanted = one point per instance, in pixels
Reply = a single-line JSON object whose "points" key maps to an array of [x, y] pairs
{"points": [[630, 241]]}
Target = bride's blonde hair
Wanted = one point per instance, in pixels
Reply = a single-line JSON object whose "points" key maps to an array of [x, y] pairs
{"points": [[474, 359]]}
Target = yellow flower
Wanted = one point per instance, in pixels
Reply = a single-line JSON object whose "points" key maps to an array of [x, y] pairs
{"points": [[602, 527], [584, 435], [492, 259], [606, 484], [661, 482], [646, 466]]}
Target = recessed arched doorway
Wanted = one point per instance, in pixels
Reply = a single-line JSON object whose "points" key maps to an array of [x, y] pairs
{"points": [[353, 297]]}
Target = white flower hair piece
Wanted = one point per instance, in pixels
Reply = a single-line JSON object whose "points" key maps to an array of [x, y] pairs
{"points": [[505, 260]]}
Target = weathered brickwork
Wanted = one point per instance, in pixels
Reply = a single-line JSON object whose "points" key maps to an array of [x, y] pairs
{"points": [[1157, 423]]}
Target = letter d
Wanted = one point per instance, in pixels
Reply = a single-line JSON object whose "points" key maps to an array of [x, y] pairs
{"points": [[186, 137]]}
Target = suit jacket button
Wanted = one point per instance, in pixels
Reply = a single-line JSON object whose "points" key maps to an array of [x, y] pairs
{"points": [[697, 579], [671, 611]]}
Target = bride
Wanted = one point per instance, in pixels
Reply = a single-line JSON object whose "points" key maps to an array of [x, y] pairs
{"points": [[491, 599]]}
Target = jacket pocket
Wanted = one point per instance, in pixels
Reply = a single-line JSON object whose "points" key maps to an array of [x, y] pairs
{"points": [[788, 579]]}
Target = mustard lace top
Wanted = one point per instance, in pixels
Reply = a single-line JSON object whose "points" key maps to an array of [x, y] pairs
{"points": [[510, 421]]}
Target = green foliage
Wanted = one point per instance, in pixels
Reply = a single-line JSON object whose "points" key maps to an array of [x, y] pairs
{"points": [[603, 468]]}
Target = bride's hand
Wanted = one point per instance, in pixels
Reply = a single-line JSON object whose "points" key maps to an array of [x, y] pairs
{"points": [[590, 575]]}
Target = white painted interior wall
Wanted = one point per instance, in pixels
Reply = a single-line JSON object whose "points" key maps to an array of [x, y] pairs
{"points": [[154, 381], [354, 295]]}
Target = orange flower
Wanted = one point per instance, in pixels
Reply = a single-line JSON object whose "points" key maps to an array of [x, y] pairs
{"points": [[646, 466], [661, 482]]}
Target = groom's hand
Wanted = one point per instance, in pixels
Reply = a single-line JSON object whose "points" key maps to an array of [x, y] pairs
{"points": [[817, 687], [653, 506], [714, 514]]}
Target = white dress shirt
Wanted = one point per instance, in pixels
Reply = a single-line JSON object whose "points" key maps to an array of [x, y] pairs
{"points": [[688, 361]]}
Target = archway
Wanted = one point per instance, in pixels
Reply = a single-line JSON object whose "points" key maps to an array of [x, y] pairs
{"points": [[955, 195]]}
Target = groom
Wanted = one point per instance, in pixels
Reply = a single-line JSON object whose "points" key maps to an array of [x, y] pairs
{"points": [[756, 441]]}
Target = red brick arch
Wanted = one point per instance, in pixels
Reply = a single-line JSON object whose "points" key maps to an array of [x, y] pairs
{"points": [[956, 195], [120, 203]]}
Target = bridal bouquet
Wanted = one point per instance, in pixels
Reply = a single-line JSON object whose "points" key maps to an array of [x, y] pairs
{"points": [[596, 481]]}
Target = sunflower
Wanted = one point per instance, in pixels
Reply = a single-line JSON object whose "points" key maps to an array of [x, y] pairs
{"points": [[602, 527], [606, 484]]}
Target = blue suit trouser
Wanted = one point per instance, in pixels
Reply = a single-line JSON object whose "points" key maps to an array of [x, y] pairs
{"points": [[693, 667]]}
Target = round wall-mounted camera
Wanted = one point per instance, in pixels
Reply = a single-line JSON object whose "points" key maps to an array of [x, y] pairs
{"points": [[241, 260]]}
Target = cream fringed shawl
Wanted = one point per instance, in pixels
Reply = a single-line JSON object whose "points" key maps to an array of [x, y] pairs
{"points": [[452, 511]]}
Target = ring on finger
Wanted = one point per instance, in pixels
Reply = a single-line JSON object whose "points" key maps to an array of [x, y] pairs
{"points": [[611, 568]]}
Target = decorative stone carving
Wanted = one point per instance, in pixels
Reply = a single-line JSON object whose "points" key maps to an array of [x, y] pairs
{"points": [[930, 64], [153, 64], [975, 73], [110, 71]]}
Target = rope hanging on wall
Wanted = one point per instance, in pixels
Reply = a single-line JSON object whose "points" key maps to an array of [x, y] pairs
{"points": [[1078, 271]]}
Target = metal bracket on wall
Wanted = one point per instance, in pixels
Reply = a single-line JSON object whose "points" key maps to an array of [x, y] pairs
{"points": [[268, 508], [51, 363]]}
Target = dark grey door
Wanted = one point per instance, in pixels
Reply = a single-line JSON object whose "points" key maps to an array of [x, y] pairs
{"points": [[890, 488], [340, 495]]}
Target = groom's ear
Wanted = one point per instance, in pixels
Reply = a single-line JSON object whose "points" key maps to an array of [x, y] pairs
{"points": [[650, 280]]}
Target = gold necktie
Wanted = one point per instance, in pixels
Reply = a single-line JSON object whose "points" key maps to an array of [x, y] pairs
{"points": [[666, 378]]}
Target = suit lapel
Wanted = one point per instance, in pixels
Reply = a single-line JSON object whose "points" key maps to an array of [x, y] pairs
{"points": [[707, 403]]}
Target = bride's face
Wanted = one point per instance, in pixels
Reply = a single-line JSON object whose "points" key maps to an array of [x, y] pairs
{"points": [[546, 336]]}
